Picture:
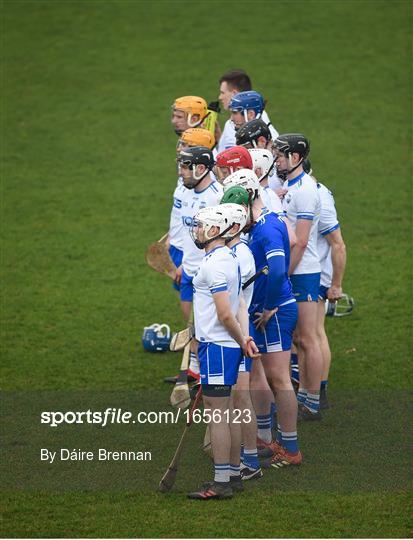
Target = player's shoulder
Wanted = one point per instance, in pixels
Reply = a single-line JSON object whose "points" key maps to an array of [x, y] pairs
{"points": [[211, 192], [304, 188], [307, 183], [242, 249], [219, 255], [267, 223], [216, 187], [324, 191]]}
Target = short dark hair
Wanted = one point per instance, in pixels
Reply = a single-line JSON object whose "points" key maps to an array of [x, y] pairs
{"points": [[238, 79]]}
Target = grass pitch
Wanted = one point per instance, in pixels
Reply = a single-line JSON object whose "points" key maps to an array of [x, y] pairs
{"points": [[87, 177]]}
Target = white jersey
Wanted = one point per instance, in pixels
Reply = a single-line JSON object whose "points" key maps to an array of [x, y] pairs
{"points": [[271, 201], [247, 266], [227, 139], [303, 202], [175, 222], [219, 271], [327, 224], [192, 202]]}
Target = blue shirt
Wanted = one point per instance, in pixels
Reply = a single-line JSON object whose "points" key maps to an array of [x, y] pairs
{"points": [[270, 245]]}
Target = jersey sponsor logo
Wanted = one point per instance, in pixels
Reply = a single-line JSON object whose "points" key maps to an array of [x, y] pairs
{"points": [[188, 221], [177, 203]]}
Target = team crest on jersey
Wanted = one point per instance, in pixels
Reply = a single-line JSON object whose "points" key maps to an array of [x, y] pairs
{"points": [[287, 198]]}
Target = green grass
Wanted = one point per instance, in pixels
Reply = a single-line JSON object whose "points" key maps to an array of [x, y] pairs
{"points": [[86, 182]]}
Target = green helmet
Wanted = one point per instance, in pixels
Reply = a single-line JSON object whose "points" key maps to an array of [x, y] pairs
{"points": [[236, 195]]}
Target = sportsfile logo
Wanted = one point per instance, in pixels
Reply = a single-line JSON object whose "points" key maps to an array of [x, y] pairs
{"points": [[109, 416], [112, 416]]}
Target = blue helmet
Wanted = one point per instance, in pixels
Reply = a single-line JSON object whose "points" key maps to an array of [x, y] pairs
{"points": [[245, 101], [156, 338]]}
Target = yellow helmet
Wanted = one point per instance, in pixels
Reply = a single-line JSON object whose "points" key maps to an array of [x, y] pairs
{"points": [[198, 137], [192, 105]]}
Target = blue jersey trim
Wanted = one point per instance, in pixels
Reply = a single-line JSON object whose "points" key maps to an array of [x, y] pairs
{"points": [[331, 229], [295, 180], [219, 289], [277, 254]]}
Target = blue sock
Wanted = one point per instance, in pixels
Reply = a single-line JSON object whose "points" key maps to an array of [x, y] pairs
{"points": [[234, 470], [264, 427], [301, 396], [222, 472], [295, 374], [290, 442], [273, 412], [324, 384], [251, 459], [313, 402], [242, 452]]}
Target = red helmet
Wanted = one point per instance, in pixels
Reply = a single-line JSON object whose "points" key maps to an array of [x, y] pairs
{"points": [[237, 156]]}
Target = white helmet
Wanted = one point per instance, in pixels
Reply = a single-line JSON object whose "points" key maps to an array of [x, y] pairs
{"points": [[221, 216], [262, 159], [238, 215], [244, 178]]}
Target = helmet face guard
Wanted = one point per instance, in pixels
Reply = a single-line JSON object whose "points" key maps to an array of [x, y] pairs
{"points": [[287, 145], [196, 179], [221, 216], [206, 227], [341, 308], [156, 338], [247, 101], [191, 158], [192, 106], [240, 196]]}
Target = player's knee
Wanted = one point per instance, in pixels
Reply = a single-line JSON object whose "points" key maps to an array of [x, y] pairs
{"points": [[280, 382], [242, 398], [308, 340]]}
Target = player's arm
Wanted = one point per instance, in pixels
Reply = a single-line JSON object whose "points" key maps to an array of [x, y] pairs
{"points": [[242, 315], [302, 232], [291, 232], [338, 259], [178, 273], [227, 319], [274, 250]]}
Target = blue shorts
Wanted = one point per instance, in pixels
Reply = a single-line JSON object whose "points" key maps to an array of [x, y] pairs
{"points": [[322, 293], [278, 333], [218, 364], [245, 365], [306, 287], [186, 289], [176, 256]]}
